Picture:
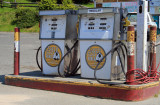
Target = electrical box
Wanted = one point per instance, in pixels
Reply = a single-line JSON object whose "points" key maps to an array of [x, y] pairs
{"points": [[98, 29], [57, 30]]}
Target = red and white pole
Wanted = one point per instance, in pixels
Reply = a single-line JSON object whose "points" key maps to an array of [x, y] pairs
{"points": [[16, 50], [153, 34], [130, 55]]}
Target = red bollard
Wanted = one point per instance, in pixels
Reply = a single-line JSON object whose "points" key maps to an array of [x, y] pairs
{"points": [[130, 56], [16, 50], [153, 34]]}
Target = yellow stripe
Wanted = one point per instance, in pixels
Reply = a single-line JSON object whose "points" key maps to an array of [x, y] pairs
{"points": [[153, 35], [16, 36], [125, 87], [130, 36]]}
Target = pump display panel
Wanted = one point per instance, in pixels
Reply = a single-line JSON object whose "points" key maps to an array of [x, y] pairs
{"points": [[97, 26], [53, 27]]}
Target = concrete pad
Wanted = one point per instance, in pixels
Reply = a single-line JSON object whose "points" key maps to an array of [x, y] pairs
{"points": [[113, 89]]}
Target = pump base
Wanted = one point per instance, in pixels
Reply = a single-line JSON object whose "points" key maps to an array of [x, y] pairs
{"points": [[112, 90]]}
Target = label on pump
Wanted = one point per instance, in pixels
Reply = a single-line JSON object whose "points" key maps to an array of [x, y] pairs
{"points": [[52, 55], [94, 55], [100, 10]]}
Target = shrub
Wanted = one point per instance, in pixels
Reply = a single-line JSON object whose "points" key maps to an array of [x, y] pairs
{"points": [[48, 5], [68, 4], [34, 0], [52, 5], [26, 18]]}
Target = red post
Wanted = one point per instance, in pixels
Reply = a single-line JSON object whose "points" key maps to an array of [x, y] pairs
{"points": [[153, 34], [130, 56], [16, 50]]}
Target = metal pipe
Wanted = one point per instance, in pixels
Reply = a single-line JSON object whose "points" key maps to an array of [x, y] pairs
{"points": [[153, 34], [130, 54], [94, 3]]}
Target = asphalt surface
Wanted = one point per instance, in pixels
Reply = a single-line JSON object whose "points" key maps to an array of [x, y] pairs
{"points": [[11, 95]]}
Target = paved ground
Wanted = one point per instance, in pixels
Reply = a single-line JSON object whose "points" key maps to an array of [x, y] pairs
{"points": [[11, 95]]}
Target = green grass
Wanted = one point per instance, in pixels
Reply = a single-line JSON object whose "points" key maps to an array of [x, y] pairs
{"points": [[5, 9], [35, 28], [18, 1], [22, 1], [6, 17], [90, 5]]}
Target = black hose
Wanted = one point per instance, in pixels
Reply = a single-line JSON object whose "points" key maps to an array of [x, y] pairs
{"points": [[76, 68], [117, 49], [122, 66], [37, 58], [124, 58], [114, 49]]}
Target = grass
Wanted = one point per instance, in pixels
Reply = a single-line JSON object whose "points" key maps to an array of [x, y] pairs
{"points": [[19, 1], [90, 5], [35, 28], [5, 9], [6, 17]]}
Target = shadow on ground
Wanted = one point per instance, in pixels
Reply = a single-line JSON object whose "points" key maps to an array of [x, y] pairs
{"points": [[2, 79], [39, 74], [33, 73]]}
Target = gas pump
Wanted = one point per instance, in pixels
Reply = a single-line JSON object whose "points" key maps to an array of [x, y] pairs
{"points": [[99, 28], [58, 34]]}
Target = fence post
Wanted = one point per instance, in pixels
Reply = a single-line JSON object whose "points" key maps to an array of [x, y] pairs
{"points": [[16, 51]]}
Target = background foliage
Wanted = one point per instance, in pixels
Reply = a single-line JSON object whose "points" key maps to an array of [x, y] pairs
{"points": [[12, 17], [55, 5], [25, 18]]}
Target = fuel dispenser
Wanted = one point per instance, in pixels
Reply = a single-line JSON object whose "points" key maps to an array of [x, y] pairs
{"points": [[99, 28], [58, 34]]}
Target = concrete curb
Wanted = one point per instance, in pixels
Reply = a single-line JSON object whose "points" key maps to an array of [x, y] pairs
{"points": [[115, 91]]}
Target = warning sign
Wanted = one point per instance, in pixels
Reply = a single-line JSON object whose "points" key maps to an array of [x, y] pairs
{"points": [[94, 55], [52, 55]]}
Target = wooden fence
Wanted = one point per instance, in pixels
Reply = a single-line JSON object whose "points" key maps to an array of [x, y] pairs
{"points": [[15, 5], [1, 3], [24, 4]]}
